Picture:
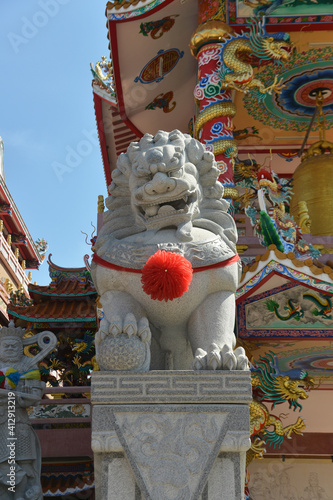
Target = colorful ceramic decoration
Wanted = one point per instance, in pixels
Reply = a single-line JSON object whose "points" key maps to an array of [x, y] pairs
{"points": [[302, 77], [103, 75], [114, 16], [288, 155], [163, 101], [246, 132], [273, 386], [212, 9], [317, 361], [274, 267], [287, 311], [265, 202], [225, 60], [156, 69], [156, 29], [281, 11]]}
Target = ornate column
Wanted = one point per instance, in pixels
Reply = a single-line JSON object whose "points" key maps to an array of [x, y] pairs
{"points": [[214, 124]]}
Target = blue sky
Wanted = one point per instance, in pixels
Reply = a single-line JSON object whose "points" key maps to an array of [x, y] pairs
{"points": [[53, 164]]}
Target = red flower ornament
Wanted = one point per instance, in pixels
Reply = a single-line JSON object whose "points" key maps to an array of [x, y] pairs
{"points": [[166, 275]]}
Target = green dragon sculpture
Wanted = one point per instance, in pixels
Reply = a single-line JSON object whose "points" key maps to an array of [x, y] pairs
{"points": [[294, 311], [271, 385], [244, 50]]}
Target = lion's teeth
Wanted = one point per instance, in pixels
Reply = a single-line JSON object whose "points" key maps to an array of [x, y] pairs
{"points": [[151, 211], [185, 198]]}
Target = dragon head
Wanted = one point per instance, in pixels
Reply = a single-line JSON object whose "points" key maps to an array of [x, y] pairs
{"points": [[268, 46], [292, 389], [278, 45], [273, 385], [279, 49]]}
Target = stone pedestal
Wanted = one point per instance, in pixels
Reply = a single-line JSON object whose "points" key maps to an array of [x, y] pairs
{"points": [[170, 435]]}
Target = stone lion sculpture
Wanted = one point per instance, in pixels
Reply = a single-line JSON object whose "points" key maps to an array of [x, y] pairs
{"points": [[165, 197]]}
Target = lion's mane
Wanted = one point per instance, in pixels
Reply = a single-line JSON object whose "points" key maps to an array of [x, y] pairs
{"points": [[120, 220]]}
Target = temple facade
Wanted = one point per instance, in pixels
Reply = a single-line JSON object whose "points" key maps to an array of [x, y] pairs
{"points": [[252, 82], [18, 251]]}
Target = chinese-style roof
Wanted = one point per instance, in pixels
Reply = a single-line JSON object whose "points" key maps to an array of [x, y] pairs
{"points": [[58, 310], [275, 267], [62, 289], [70, 297], [314, 267], [67, 478], [73, 274]]}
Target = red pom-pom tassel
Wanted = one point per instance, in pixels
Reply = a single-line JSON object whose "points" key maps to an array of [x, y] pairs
{"points": [[166, 275]]}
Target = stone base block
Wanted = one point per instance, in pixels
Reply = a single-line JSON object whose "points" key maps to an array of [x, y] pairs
{"points": [[163, 451]]}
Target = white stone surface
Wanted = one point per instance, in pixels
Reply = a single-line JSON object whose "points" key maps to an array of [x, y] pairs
{"points": [[169, 386], [188, 451], [222, 481], [165, 196], [121, 482]]}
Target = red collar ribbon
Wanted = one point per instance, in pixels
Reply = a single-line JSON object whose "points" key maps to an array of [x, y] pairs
{"points": [[101, 262]]}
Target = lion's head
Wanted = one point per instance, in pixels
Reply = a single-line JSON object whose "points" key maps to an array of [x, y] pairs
{"points": [[163, 180], [166, 181]]}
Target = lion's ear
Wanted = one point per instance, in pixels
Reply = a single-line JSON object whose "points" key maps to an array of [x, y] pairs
{"points": [[124, 164], [195, 151]]}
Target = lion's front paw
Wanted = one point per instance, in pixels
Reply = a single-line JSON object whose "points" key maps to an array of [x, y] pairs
{"points": [[220, 359], [123, 344]]}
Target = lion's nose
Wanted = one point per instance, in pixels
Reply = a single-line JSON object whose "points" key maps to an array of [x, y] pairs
{"points": [[160, 184]]}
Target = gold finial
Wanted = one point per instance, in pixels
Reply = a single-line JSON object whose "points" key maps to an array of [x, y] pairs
{"points": [[100, 204], [209, 32], [17, 253], [20, 288], [29, 276], [35, 282], [9, 239], [23, 264], [1, 225]]}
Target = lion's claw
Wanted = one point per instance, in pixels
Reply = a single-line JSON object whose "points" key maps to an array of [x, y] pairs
{"points": [[115, 327], [130, 325], [220, 359]]}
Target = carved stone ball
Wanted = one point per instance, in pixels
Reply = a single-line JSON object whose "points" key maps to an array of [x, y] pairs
{"points": [[121, 353]]}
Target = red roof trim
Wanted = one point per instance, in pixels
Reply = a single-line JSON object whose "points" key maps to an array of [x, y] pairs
{"points": [[116, 72], [145, 14], [268, 277], [101, 135]]}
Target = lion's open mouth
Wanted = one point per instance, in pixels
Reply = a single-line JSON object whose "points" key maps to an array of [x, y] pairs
{"points": [[167, 208]]}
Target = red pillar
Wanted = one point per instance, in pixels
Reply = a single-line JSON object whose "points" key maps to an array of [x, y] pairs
{"points": [[215, 109]]}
